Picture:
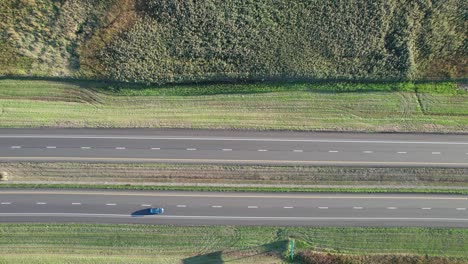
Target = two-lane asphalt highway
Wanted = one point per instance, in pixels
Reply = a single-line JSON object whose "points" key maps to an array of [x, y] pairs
{"points": [[201, 146], [195, 208]]}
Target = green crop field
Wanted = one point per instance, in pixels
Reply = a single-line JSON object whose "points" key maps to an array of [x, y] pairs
{"points": [[302, 106], [85, 243], [161, 41]]}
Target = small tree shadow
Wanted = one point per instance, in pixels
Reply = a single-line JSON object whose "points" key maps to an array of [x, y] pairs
{"points": [[277, 248]]}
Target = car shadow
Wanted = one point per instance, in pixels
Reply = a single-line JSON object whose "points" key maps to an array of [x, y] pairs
{"points": [[140, 213]]}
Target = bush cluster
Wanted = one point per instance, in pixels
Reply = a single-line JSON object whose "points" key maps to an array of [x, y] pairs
{"points": [[170, 41], [310, 257]]}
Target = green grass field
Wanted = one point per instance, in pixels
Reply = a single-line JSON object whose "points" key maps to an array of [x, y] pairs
{"points": [[73, 243], [340, 107]]}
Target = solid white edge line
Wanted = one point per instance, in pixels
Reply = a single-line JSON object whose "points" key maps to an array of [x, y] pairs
{"points": [[236, 139], [241, 217]]}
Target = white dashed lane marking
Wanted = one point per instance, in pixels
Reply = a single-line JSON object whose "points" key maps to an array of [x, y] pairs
{"points": [[227, 149], [15, 147], [426, 208], [155, 148], [216, 206], [298, 150], [252, 207], [76, 203], [391, 208], [85, 147], [461, 209], [146, 205], [323, 207], [181, 206], [191, 149], [288, 207], [51, 147], [435, 153], [120, 148], [5, 203], [40, 203], [357, 207], [402, 152], [111, 204], [262, 150], [333, 151], [368, 151]]}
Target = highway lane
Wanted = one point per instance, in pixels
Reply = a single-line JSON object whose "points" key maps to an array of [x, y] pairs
{"points": [[199, 208], [204, 146]]}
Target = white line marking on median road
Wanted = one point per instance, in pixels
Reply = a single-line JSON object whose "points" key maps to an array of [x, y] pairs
{"points": [[333, 151], [426, 208], [323, 207], [181, 206], [155, 148], [76, 203], [5, 203], [51, 147], [288, 207], [40, 203], [146, 205], [368, 151], [262, 150], [120, 148], [402, 152], [357, 207], [85, 147], [111, 204], [435, 153], [298, 150], [216, 206], [461, 209], [191, 149], [246, 218], [15, 147], [252, 207], [391, 208], [227, 149]]}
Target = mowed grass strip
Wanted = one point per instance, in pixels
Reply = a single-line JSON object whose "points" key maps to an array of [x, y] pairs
{"points": [[158, 173], [340, 107], [172, 244]]}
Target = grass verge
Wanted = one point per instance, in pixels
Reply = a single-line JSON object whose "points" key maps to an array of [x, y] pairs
{"points": [[104, 243], [402, 107], [345, 189]]}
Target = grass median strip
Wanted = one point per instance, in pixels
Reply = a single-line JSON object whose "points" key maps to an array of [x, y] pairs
{"points": [[193, 174], [104, 243], [438, 107]]}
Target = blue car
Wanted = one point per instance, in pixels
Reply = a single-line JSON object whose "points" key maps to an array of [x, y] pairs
{"points": [[156, 211]]}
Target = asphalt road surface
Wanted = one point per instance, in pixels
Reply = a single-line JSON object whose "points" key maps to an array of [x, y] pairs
{"points": [[233, 147], [198, 208]]}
